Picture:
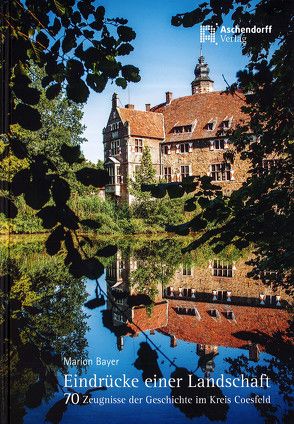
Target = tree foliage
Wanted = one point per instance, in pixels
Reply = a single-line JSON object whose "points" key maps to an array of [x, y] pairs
{"points": [[79, 48]]}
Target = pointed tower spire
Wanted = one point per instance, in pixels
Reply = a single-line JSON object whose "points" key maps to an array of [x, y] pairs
{"points": [[202, 82]]}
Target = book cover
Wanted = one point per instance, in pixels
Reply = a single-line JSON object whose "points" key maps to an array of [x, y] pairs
{"points": [[146, 211]]}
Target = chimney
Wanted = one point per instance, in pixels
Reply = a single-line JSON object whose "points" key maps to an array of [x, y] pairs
{"points": [[114, 101], [129, 106], [148, 107], [168, 97]]}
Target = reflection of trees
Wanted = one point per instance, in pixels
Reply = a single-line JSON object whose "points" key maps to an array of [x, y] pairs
{"points": [[157, 263], [46, 323], [214, 412], [279, 369], [147, 362]]}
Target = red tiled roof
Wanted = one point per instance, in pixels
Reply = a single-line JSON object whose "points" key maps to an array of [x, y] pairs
{"points": [[157, 318], [251, 323], [202, 107], [143, 124]]}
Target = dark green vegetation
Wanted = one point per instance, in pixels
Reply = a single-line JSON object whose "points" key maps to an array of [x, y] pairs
{"points": [[76, 47], [45, 322]]}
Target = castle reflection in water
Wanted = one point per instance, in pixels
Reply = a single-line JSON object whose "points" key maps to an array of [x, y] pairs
{"points": [[210, 306]]}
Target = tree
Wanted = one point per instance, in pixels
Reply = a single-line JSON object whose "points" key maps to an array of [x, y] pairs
{"points": [[78, 47], [261, 212], [144, 175]]}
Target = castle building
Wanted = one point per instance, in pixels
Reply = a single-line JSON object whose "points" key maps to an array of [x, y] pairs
{"points": [[187, 136]]}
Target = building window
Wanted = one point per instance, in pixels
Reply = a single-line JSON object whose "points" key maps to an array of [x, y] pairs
{"points": [[184, 148], [166, 149], [115, 147], [119, 176], [118, 317], [185, 171], [138, 145], [114, 126], [219, 144], [167, 174], [221, 172], [182, 129], [111, 172], [222, 269], [227, 122], [187, 270]]}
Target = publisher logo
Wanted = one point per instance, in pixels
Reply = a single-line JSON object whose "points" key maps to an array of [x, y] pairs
{"points": [[207, 33], [236, 34]]}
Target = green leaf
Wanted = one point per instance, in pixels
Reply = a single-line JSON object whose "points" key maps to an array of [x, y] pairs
{"points": [[48, 216], [68, 218], [18, 148], [90, 176], [53, 91], [7, 207], [42, 39], [85, 8], [56, 27], [131, 73], [76, 17], [59, 7], [97, 82], [53, 242], [69, 41], [60, 190], [74, 69], [90, 223], [20, 182], [70, 154], [92, 268], [99, 13], [37, 193], [121, 82], [124, 49], [88, 34], [77, 91], [107, 251], [126, 33], [28, 117]]}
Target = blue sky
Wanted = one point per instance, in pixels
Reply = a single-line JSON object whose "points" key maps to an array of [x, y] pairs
{"points": [[166, 56]]}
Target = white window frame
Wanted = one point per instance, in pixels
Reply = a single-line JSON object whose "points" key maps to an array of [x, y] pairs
{"points": [[221, 171], [139, 145]]}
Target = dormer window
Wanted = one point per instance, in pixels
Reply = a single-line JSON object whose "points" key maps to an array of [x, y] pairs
{"points": [[182, 129], [226, 124], [210, 126]]}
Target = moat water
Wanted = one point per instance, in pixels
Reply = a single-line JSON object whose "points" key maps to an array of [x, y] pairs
{"points": [[108, 346]]}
